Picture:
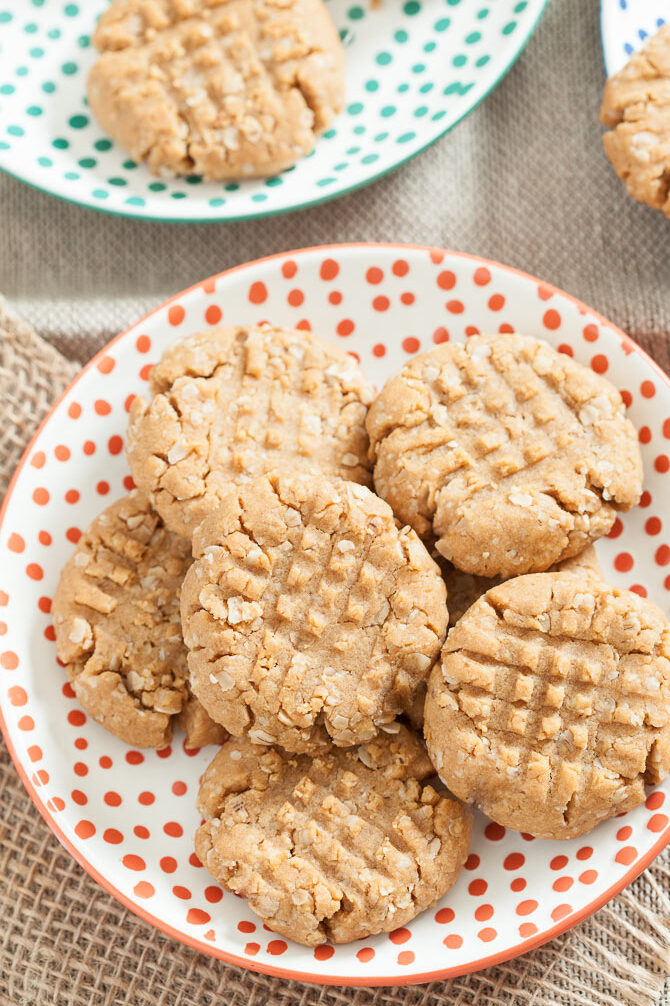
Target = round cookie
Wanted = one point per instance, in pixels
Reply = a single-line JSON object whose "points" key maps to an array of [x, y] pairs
{"points": [[551, 706], [221, 89], [308, 614], [234, 403], [342, 846], [513, 455], [636, 107], [118, 632]]}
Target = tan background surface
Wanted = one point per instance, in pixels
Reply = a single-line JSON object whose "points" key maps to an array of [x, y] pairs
{"points": [[522, 180]]}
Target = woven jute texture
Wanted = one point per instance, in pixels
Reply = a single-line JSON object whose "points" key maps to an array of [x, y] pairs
{"points": [[65, 942]]}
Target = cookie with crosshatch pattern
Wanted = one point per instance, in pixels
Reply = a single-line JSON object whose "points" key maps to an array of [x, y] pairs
{"points": [[348, 844], [219, 88], [512, 455], [550, 708], [234, 403], [308, 614], [118, 632]]}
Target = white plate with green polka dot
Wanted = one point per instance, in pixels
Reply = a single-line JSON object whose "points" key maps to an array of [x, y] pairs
{"points": [[414, 69]]}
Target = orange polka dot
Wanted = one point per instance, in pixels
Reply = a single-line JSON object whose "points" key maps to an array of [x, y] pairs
{"points": [[112, 836], [44, 538], [62, 452], [526, 907], [436, 256], [407, 298], [252, 949], [102, 407], [41, 777], [16, 543], [653, 525], [146, 798], [658, 822], [4, 598], [329, 269], [115, 444], [213, 314], [544, 293], [400, 267], [374, 275], [444, 915], [411, 344], [176, 314], [276, 947], [616, 529], [209, 285], [401, 935], [440, 335], [134, 757], [173, 829], [34, 571], [379, 350], [590, 332], [514, 861], [527, 929], [626, 398], [472, 862], [106, 365], [406, 957], [662, 555], [168, 864], [345, 327], [89, 447], [518, 884], [181, 892], [9, 660], [129, 483], [324, 952], [258, 293], [112, 799], [79, 797], [50, 634], [38, 459], [588, 876], [662, 463], [44, 604], [102, 488], [304, 325], [179, 788], [482, 276], [446, 280], [381, 303], [453, 941], [335, 297], [143, 889], [295, 298], [3, 628], [57, 804], [560, 912], [496, 302], [585, 852], [455, 307], [143, 343], [365, 954], [289, 269], [132, 862], [246, 927], [73, 534], [17, 695], [84, 829], [563, 884], [506, 327], [141, 831], [654, 801], [74, 410], [76, 718], [551, 319], [164, 752], [624, 562], [477, 887], [81, 743], [624, 833], [68, 690], [197, 917], [599, 363], [214, 895], [104, 761], [627, 855], [26, 723], [80, 768], [648, 389], [494, 832], [487, 934], [483, 913]]}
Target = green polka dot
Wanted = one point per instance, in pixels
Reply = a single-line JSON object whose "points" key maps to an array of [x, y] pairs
{"points": [[129, 165], [406, 137], [412, 7], [358, 130], [100, 193], [342, 165], [69, 68], [30, 28], [5, 16], [103, 145], [22, 71], [509, 28], [36, 53], [231, 187], [71, 176], [459, 60], [442, 24], [83, 41], [453, 3], [178, 195], [78, 121], [325, 181], [473, 37], [483, 13], [194, 180], [134, 201], [380, 137], [353, 150], [116, 181], [384, 58], [217, 202], [54, 33], [4, 146], [70, 10], [402, 88], [369, 158], [521, 6], [356, 13], [355, 108], [60, 143], [438, 115], [418, 68], [38, 3], [157, 186], [272, 183], [34, 110], [15, 130], [421, 111], [401, 35], [425, 88], [48, 87], [329, 134], [44, 162], [372, 85], [260, 197], [387, 111], [482, 61], [430, 46], [7, 89], [87, 162]]}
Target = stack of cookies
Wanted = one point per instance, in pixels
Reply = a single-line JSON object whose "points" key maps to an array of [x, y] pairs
{"points": [[255, 592]]}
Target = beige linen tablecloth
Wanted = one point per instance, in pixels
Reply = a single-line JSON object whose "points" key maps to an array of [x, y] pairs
{"points": [[522, 180]]}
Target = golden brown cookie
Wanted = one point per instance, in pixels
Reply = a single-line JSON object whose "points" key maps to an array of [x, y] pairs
{"points": [[336, 848], [308, 614], [220, 88], [636, 107], [118, 632], [234, 403], [513, 455], [550, 708]]}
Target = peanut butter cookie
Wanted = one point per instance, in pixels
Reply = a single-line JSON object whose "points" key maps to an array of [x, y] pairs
{"points": [[636, 107], [338, 847], [220, 88], [513, 455], [234, 403], [308, 614], [116, 617], [551, 706]]}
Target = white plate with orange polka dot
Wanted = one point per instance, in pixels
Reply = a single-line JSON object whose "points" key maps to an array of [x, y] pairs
{"points": [[129, 816]]}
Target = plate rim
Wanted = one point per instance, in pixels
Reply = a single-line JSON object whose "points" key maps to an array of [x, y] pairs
{"points": [[132, 213], [210, 950]]}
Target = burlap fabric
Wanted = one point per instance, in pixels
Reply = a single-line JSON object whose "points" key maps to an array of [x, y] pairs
{"points": [[522, 180]]}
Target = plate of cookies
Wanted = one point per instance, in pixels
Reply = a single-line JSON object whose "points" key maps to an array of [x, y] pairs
{"points": [[205, 110], [333, 599]]}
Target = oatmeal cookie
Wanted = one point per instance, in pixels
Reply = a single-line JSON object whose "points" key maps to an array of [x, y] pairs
{"points": [[550, 708], [116, 618], [308, 614], [342, 846], [219, 88], [636, 107], [513, 455], [233, 403]]}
